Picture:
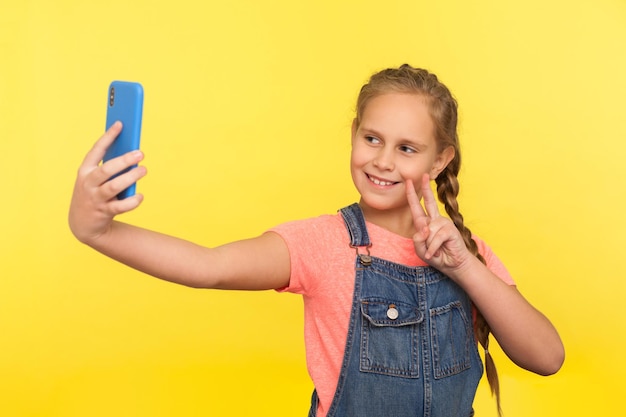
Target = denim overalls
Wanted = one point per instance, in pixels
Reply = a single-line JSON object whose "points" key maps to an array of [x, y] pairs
{"points": [[410, 349]]}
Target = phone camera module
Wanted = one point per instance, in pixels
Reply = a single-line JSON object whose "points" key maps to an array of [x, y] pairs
{"points": [[112, 96]]}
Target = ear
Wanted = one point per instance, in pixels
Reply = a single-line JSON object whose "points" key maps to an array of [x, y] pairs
{"points": [[442, 161]]}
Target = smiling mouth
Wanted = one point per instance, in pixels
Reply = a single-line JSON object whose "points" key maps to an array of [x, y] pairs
{"points": [[380, 182]]}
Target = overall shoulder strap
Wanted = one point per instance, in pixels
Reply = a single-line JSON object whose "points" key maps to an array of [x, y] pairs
{"points": [[355, 223]]}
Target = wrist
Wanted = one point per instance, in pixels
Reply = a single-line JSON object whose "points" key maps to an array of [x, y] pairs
{"points": [[466, 270]]}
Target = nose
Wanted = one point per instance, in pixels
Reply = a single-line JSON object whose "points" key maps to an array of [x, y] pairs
{"points": [[384, 160]]}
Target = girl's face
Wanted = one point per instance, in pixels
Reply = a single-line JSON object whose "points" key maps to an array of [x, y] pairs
{"points": [[395, 141]]}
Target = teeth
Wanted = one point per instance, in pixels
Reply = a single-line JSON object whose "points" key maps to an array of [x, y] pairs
{"points": [[379, 182]]}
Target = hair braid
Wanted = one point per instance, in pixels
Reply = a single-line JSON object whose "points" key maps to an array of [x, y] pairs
{"points": [[447, 191]]}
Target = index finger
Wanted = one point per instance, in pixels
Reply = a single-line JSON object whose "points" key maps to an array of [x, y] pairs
{"points": [[95, 155], [429, 198], [414, 202], [420, 218]]}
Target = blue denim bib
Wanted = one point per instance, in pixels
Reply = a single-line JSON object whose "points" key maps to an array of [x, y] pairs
{"points": [[410, 349]]}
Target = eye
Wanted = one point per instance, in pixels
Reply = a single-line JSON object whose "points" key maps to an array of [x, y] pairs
{"points": [[372, 139], [407, 149]]}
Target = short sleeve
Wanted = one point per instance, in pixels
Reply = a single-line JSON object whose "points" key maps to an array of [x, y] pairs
{"points": [[494, 264], [316, 247]]}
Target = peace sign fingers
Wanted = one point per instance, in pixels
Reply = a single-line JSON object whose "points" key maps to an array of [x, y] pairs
{"points": [[437, 240], [431, 227]]}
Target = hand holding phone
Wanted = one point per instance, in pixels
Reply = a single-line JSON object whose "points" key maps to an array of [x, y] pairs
{"points": [[124, 103]]}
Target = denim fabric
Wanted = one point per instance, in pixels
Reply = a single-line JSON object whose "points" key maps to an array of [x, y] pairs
{"points": [[410, 349]]}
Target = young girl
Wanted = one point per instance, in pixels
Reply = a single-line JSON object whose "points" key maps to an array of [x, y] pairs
{"points": [[394, 292]]}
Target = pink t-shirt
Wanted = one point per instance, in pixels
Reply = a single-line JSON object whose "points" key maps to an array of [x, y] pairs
{"points": [[322, 271]]}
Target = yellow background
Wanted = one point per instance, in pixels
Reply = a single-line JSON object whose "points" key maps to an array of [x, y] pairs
{"points": [[247, 112]]}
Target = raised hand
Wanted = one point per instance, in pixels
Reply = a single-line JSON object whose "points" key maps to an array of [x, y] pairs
{"points": [[437, 241], [94, 203]]}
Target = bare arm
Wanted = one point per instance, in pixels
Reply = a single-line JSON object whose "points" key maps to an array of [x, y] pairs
{"points": [[255, 264], [524, 333]]}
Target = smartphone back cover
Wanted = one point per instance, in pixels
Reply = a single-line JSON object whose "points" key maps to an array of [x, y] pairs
{"points": [[124, 103]]}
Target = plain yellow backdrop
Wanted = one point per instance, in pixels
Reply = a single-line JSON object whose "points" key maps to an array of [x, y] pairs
{"points": [[247, 112]]}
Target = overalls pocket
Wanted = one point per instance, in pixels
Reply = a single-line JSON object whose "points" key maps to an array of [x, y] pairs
{"points": [[390, 337], [450, 330]]}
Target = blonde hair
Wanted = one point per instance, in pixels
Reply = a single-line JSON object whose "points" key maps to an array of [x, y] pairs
{"points": [[444, 113]]}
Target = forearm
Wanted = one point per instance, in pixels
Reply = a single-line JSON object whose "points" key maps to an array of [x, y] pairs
{"points": [[156, 254], [523, 332]]}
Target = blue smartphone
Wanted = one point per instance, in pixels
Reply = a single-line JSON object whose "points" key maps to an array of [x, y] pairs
{"points": [[124, 103]]}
